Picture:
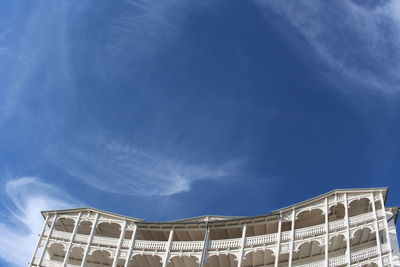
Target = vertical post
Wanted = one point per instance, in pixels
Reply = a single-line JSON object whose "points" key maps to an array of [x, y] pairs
{"points": [[121, 239], [205, 246], [243, 244], [40, 239], [389, 244], [292, 237], [378, 239], [131, 245], [167, 249], [47, 239], [346, 216], [326, 232], [278, 246], [89, 241], [72, 239]]}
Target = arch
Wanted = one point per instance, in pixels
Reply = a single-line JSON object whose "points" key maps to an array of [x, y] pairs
{"points": [[310, 217], [76, 255], [139, 260], [100, 256], [359, 206], [108, 229], [183, 261], [84, 227], [370, 264], [56, 251], [65, 224], [337, 242], [221, 260], [336, 212], [362, 235], [308, 249], [259, 258]]}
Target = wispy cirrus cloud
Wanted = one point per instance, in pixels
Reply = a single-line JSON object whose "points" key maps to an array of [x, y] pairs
{"points": [[21, 220], [125, 169], [360, 39]]}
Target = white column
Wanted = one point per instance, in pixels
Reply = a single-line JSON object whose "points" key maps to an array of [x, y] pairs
{"points": [[243, 244], [292, 237], [131, 245], [278, 246], [121, 239], [378, 239], [167, 249], [40, 239], [326, 233], [389, 244], [47, 239], [89, 241], [346, 219], [205, 246], [77, 222]]}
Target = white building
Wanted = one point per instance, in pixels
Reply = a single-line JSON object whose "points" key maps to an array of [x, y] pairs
{"points": [[340, 228]]}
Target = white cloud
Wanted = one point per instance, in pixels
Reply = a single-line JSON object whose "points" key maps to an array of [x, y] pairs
{"points": [[360, 39], [21, 226], [125, 169]]}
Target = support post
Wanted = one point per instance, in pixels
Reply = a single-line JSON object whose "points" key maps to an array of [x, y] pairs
{"points": [[205, 246], [326, 232], [292, 237], [89, 241], [389, 244], [278, 245], [47, 239], [346, 216], [40, 239], [121, 239], [131, 245], [168, 248], [77, 222], [242, 245], [377, 235]]}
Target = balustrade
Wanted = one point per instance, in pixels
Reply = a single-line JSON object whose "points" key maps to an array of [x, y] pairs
{"points": [[228, 243], [187, 245], [225, 243]]}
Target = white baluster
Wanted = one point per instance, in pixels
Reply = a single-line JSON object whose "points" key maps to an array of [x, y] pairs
{"points": [[326, 233], [389, 244]]}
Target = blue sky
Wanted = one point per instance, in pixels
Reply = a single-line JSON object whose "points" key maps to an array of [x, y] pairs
{"points": [[163, 109]]}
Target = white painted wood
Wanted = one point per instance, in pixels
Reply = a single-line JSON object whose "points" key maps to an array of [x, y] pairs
{"points": [[346, 218], [47, 239], [131, 245], [378, 239], [121, 238], [77, 222], [278, 246], [40, 239], [166, 256], [89, 240], [242, 245]]}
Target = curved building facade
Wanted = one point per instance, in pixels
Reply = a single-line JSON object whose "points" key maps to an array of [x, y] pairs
{"points": [[349, 227]]}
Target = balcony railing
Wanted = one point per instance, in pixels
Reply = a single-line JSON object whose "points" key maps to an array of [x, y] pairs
{"points": [[218, 244], [357, 256]]}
